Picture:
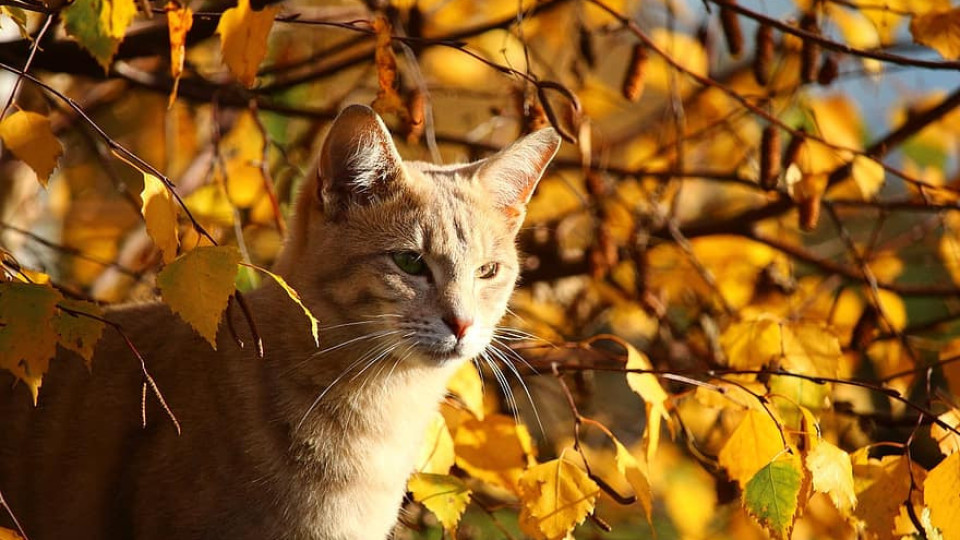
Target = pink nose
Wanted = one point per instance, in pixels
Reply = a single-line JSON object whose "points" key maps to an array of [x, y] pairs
{"points": [[458, 326]]}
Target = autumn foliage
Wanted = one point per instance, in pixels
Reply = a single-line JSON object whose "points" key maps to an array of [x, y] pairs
{"points": [[739, 312]]}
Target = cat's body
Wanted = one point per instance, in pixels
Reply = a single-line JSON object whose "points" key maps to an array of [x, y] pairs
{"points": [[305, 443]]}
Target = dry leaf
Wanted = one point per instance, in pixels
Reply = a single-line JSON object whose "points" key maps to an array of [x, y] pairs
{"points": [[179, 22]]}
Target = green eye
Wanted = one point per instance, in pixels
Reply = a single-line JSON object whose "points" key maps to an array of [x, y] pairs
{"points": [[410, 262], [488, 270]]}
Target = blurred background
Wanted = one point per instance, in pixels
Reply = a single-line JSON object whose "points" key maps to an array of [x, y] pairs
{"points": [[724, 163]]}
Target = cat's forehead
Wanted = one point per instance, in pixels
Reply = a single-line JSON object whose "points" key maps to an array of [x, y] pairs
{"points": [[444, 211]]}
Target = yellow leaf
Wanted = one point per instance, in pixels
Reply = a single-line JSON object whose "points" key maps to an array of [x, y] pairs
{"points": [[295, 296], [243, 39], [647, 386], [446, 496], [467, 386], [869, 176], [631, 469], [27, 337], [179, 22], [436, 451], [557, 496], [7, 534], [811, 349], [198, 285], [832, 473], [751, 344], [838, 122], [948, 441], [160, 213], [242, 150], [939, 30], [882, 486], [209, 203], [858, 31], [754, 444], [78, 333], [941, 493], [495, 449], [29, 136]]}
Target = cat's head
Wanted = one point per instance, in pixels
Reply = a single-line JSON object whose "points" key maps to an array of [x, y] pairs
{"points": [[422, 255]]}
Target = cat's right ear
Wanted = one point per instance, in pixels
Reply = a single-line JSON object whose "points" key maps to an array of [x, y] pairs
{"points": [[358, 163]]}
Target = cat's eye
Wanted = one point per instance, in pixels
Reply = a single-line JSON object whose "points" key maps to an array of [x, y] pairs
{"points": [[488, 270], [410, 262]]}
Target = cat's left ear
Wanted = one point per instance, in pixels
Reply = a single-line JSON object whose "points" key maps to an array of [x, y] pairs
{"points": [[512, 174], [359, 162]]}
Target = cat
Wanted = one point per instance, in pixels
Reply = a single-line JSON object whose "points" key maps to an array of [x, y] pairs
{"points": [[408, 266]]}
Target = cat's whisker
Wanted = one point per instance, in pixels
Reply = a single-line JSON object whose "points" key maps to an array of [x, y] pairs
{"points": [[339, 377], [510, 365], [503, 384], [503, 347]]}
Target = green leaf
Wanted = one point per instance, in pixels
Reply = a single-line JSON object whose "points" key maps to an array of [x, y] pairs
{"points": [[198, 285], [771, 496], [27, 337], [99, 26]]}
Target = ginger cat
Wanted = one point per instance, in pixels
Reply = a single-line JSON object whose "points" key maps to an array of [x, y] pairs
{"points": [[408, 266]]}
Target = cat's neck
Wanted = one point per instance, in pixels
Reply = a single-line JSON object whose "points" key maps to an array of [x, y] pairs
{"points": [[341, 389]]}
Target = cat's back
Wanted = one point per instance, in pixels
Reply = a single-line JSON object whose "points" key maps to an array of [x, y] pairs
{"points": [[78, 460]]}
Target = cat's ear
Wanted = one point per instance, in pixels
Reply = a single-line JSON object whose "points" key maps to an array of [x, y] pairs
{"points": [[359, 162], [512, 174]]}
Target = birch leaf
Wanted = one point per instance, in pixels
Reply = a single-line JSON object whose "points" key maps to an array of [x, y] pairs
{"points": [[832, 473], [557, 496], [243, 39], [941, 493], [160, 213], [99, 26], [29, 136], [198, 285], [647, 386], [466, 385], [948, 441], [772, 495], [939, 30], [446, 496], [295, 296], [436, 451], [631, 469], [27, 337], [754, 444], [78, 333]]}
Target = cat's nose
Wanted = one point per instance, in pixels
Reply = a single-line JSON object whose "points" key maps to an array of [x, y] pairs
{"points": [[458, 326]]}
